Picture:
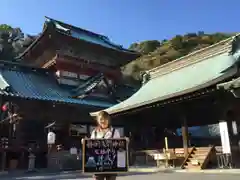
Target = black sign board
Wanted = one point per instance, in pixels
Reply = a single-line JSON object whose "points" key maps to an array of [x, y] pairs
{"points": [[105, 156]]}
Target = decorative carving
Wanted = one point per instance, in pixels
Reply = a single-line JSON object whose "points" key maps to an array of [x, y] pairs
{"points": [[99, 85], [85, 89], [145, 77], [87, 55], [235, 45]]}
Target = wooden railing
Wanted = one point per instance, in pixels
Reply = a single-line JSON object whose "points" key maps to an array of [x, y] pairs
{"points": [[186, 158], [208, 156]]}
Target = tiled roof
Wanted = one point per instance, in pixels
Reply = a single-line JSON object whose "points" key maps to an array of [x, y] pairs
{"points": [[80, 34], [86, 35], [191, 77], [40, 85], [88, 86], [204, 53]]}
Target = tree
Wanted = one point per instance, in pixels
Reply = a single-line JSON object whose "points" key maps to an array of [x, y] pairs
{"points": [[12, 42], [164, 40], [9, 36], [201, 33], [189, 35], [5, 27], [133, 46], [156, 53], [145, 47], [177, 42]]}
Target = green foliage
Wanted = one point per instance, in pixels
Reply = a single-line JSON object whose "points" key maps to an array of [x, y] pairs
{"points": [[156, 53], [177, 42], [145, 47], [12, 42], [6, 48], [5, 27]]}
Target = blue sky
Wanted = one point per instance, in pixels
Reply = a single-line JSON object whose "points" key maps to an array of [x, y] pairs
{"points": [[126, 21]]}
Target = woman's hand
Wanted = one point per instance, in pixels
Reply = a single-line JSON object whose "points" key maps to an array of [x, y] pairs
{"points": [[127, 139]]}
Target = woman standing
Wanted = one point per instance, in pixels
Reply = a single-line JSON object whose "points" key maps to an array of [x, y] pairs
{"points": [[104, 130]]}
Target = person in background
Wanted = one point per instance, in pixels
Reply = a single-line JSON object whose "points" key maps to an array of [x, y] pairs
{"points": [[104, 130]]}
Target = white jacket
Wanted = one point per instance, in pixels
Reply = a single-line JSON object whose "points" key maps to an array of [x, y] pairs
{"points": [[108, 134]]}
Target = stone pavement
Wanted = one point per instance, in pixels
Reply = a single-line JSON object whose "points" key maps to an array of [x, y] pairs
{"points": [[131, 170], [136, 176], [210, 171], [135, 173]]}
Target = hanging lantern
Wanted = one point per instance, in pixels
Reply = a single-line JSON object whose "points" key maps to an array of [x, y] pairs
{"points": [[5, 106], [51, 138]]}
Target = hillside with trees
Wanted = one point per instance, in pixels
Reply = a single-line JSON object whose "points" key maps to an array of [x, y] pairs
{"points": [[156, 53]]}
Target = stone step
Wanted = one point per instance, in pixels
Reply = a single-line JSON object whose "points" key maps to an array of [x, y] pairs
{"points": [[198, 154], [206, 148], [192, 160], [202, 149], [190, 166]]}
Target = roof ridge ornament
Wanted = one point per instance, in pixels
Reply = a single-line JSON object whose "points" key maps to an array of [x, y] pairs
{"points": [[145, 77], [235, 45]]}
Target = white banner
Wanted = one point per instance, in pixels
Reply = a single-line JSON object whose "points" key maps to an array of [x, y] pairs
{"points": [[226, 147]]}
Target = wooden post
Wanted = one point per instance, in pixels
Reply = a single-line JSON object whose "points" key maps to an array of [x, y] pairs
{"points": [[230, 131], [4, 142], [185, 136], [166, 151], [22, 159], [230, 117], [4, 160], [225, 140]]}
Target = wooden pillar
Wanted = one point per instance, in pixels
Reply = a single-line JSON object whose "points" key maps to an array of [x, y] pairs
{"points": [[225, 141], [237, 120], [185, 136], [230, 118], [4, 155], [230, 131]]}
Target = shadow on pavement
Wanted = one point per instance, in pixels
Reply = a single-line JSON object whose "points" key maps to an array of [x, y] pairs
{"points": [[63, 175]]}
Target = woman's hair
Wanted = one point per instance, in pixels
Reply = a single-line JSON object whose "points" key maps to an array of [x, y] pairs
{"points": [[104, 115]]}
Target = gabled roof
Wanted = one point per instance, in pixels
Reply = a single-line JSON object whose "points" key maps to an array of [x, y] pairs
{"points": [[217, 48], [80, 34], [188, 74], [39, 84], [86, 35], [87, 87]]}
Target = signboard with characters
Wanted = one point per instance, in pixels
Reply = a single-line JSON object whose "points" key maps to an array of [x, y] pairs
{"points": [[105, 156]]}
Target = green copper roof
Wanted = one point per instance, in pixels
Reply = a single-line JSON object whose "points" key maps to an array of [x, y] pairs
{"points": [[189, 74], [40, 84]]}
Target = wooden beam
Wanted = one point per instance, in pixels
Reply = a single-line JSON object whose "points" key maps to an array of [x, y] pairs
{"points": [[47, 110]]}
